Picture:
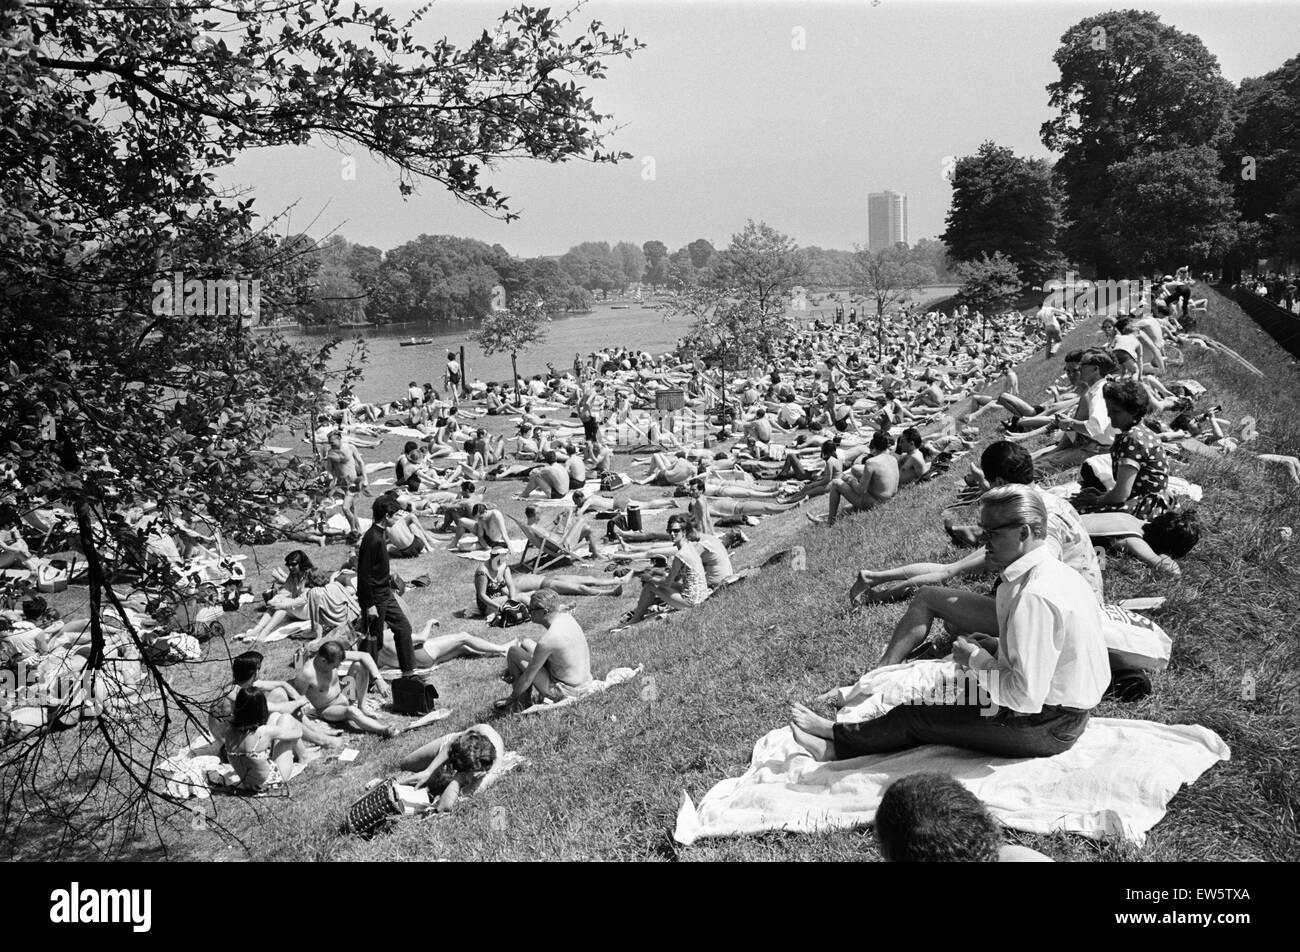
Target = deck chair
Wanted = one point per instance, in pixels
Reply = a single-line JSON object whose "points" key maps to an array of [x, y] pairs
{"points": [[552, 548]]}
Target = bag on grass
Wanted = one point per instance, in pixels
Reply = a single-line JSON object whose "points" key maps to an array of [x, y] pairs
{"points": [[414, 695], [375, 810], [512, 613]]}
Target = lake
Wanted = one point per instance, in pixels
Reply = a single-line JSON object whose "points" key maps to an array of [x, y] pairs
{"points": [[391, 367]]}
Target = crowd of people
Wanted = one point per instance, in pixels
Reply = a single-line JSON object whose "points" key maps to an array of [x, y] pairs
{"points": [[857, 412]]}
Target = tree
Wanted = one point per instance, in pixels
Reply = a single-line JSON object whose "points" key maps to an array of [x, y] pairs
{"points": [[933, 255], [656, 263], [1170, 208], [1130, 86], [1263, 159], [989, 284], [520, 326], [681, 273], [760, 266], [890, 277], [594, 266], [114, 394], [1003, 203], [632, 260], [700, 250]]}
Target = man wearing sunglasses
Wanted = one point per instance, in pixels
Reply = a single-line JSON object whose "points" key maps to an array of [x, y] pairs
{"points": [[1046, 671]]}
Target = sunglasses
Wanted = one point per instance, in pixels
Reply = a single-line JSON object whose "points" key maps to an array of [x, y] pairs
{"points": [[986, 533]]}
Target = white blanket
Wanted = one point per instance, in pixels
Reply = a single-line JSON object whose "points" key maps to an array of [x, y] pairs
{"points": [[615, 677], [1115, 782]]}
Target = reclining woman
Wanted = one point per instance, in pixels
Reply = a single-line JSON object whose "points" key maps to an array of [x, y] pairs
{"points": [[288, 606], [261, 746], [686, 584], [454, 765], [436, 649]]}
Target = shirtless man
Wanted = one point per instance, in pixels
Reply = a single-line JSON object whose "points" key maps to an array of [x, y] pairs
{"points": [[668, 470], [556, 666], [406, 537], [877, 483], [348, 470], [281, 698], [318, 679], [911, 461], [551, 479]]}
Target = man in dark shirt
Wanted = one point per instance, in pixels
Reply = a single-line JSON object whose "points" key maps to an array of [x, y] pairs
{"points": [[375, 595]]}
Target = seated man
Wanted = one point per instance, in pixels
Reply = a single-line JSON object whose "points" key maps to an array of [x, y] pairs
{"points": [[318, 679], [1088, 431], [406, 537], [912, 464], [281, 697], [551, 479], [668, 470], [1045, 672], [556, 666], [870, 483], [1003, 464]]}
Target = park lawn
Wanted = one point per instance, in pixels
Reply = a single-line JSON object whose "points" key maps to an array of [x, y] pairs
{"points": [[605, 778]]}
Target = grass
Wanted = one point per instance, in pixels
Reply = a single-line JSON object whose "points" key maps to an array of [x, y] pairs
{"points": [[606, 777]]}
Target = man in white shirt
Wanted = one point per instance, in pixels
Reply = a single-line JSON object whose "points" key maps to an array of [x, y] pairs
{"points": [[1003, 464], [1043, 674], [1088, 431]]}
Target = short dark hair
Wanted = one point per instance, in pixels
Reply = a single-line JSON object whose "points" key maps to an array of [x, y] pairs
{"points": [[880, 440], [1130, 395], [410, 445], [913, 436], [331, 651], [245, 666], [34, 608], [384, 507], [1008, 461], [932, 818], [1173, 533]]}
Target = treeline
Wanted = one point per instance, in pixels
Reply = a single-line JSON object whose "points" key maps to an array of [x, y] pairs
{"points": [[1163, 162], [444, 278]]}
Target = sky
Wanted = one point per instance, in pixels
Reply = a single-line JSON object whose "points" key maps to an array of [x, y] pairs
{"points": [[789, 113]]}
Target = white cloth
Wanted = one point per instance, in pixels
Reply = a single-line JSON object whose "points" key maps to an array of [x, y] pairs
{"points": [[1115, 782], [1069, 541], [1050, 632], [615, 677]]}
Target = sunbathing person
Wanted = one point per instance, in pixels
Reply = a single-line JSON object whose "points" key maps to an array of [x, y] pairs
{"points": [[1157, 544], [832, 470], [1047, 670], [288, 606], [487, 524], [912, 464], [933, 818], [492, 582], [1138, 460], [525, 583], [262, 747], [551, 480], [435, 649], [281, 696], [318, 679], [454, 765], [668, 470], [869, 484], [686, 583], [406, 537], [556, 666], [1003, 464]]}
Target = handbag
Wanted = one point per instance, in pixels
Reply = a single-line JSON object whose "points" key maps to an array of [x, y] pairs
{"points": [[374, 811], [414, 695], [512, 613]]}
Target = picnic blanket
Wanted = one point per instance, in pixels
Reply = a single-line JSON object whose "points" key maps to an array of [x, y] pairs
{"points": [[1115, 782], [482, 555], [614, 678]]}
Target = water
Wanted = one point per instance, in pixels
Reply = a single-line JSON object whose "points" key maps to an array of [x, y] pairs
{"points": [[391, 367]]}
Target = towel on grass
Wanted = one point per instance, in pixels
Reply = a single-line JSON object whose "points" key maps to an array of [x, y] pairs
{"points": [[1116, 781], [615, 677], [482, 555]]}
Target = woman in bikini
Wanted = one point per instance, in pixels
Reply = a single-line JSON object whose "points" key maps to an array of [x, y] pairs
{"points": [[493, 585], [261, 746]]}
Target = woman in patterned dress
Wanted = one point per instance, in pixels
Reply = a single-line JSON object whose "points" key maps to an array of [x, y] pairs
{"points": [[1138, 460]]}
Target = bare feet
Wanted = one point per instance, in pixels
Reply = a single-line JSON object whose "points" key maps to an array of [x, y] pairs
{"points": [[811, 722]]}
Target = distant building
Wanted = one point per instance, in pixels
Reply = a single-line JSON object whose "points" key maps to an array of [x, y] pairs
{"points": [[886, 220]]}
